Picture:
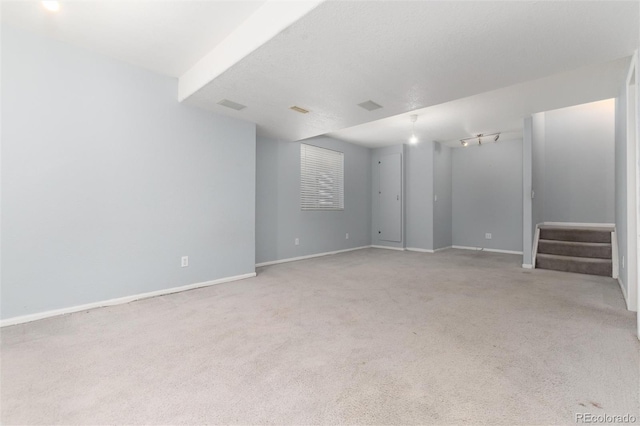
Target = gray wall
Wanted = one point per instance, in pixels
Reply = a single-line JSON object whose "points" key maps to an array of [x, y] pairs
{"points": [[537, 169], [621, 182], [279, 220], [419, 195], [107, 181], [527, 188], [579, 163], [487, 195], [443, 206], [375, 179]]}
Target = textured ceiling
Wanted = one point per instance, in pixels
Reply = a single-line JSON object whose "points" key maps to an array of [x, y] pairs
{"points": [[500, 110], [166, 37], [410, 55]]}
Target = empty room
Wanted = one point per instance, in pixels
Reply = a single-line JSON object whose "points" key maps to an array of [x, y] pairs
{"points": [[319, 212]]}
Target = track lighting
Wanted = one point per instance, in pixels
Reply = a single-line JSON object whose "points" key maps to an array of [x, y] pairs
{"points": [[480, 137]]}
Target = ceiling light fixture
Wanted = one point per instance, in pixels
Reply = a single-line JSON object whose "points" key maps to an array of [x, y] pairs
{"points": [[481, 137], [413, 139], [51, 6]]}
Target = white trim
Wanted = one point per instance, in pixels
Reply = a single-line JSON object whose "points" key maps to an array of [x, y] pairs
{"points": [[624, 292], [118, 301], [583, 225], [294, 259], [419, 250], [389, 248], [534, 251], [527, 266], [487, 249], [614, 255]]}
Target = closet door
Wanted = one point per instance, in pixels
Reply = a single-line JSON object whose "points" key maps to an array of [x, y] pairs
{"points": [[389, 198]]}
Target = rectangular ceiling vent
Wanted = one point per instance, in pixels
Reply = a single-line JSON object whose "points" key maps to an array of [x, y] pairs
{"points": [[300, 110], [370, 105], [230, 104]]}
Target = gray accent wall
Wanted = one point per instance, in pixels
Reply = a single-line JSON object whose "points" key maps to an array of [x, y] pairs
{"points": [[375, 179], [419, 195], [579, 163], [279, 219], [107, 181], [443, 190], [487, 196]]}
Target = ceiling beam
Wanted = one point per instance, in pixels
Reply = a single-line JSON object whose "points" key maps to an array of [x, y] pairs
{"points": [[269, 20]]}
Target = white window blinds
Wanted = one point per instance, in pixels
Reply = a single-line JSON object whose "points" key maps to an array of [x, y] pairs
{"points": [[321, 178]]}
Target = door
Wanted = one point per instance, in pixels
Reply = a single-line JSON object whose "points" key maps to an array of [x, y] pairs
{"points": [[390, 198]]}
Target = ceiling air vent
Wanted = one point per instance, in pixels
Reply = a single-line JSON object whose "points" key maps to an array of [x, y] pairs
{"points": [[231, 104], [300, 110], [370, 105]]}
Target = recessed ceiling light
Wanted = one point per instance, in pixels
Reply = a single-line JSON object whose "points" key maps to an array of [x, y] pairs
{"points": [[300, 110], [51, 6], [230, 104], [370, 105]]}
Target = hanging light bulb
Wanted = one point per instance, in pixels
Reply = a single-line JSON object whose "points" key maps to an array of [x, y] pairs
{"points": [[464, 143], [413, 139]]}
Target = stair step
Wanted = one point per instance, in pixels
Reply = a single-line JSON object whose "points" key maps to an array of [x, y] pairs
{"points": [[580, 265], [575, 249], [576, 234]]}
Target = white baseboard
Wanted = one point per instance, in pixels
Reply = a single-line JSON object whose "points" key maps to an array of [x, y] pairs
{"points": [[293, 259], [118, 301], [584, 225], [389, 248], [487, 249], [420, 250], [527, 266], [624, 293]]}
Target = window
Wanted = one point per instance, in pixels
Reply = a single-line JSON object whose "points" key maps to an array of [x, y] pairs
{"points": [[321, 178]]}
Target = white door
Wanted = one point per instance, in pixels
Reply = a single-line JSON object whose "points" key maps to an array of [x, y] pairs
{"points": [[390, 198]]}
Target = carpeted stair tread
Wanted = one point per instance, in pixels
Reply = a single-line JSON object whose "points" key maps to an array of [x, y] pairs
{"points": [[580, 265], [576, 234], [575, 249]]}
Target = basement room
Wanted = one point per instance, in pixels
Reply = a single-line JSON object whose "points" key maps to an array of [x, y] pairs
{"points": [[319, 212]]}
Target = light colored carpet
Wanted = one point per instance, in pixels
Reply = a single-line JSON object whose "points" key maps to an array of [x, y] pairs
{"points": [[366, 337]]}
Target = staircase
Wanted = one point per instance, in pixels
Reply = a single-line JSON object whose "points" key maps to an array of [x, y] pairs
{"points": [[575, 249]]}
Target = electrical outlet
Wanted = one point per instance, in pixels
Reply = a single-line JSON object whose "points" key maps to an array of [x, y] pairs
{"points": [[346, 237], [487, 236], [185, 261], [297, 241]]}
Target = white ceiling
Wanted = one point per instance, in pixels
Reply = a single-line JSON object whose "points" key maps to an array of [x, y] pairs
{"points": [[327, 58], [407, 55], [167, 37], [499, 110]]}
